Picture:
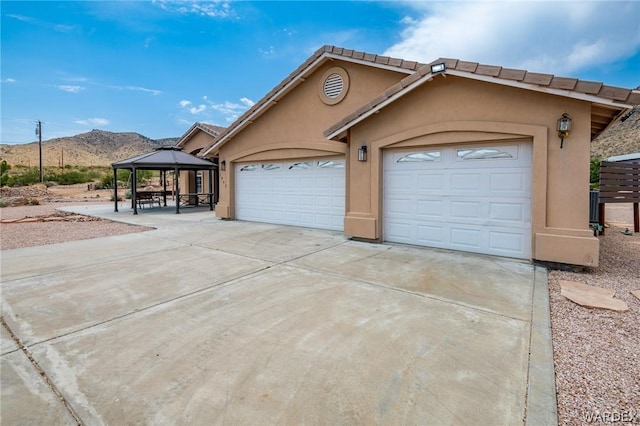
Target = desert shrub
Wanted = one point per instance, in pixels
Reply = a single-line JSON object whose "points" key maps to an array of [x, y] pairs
{"points": [[106, 182], [4, 173], [127, 195], [24, 178], [69, 178]]}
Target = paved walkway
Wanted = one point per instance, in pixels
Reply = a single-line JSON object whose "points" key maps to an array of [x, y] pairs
{"points": [[204, 321]]}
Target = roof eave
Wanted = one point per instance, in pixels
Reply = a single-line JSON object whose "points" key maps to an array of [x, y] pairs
{"points": [[527, 86], [341, 131], [268, 103]]}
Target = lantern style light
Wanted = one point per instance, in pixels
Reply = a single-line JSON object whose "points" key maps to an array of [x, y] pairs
{"points": [[362, 153], [564, 127], [223, 165]]}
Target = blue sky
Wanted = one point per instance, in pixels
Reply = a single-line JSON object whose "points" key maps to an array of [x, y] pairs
{"points": [[156, 67]]}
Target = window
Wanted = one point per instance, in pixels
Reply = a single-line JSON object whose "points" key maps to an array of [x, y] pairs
{"points": [[249, 168], [269, 167], [330, 164], [415, 157], [483, 154], [198, 182], [300, 166]]}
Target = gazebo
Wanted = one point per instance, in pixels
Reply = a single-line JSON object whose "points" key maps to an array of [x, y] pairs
{"points": [[164, 159]]}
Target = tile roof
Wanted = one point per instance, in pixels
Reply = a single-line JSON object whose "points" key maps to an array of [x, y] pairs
{"points": [[609, 101], [210, 129], [295, 77]]}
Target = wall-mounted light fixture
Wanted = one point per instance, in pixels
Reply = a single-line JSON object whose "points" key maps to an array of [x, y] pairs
{"points": [[223, 165], [564, 127], [437, 68], [362, 153]]}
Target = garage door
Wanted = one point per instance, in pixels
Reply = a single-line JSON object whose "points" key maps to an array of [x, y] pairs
{"points": [[306, 193], [469, 198]]}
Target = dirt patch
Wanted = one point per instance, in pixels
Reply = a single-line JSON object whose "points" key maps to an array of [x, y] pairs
{"points": [[37, 221]]}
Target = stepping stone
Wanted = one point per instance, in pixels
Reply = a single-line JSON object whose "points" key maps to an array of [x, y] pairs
{"points": [[591, 296]]}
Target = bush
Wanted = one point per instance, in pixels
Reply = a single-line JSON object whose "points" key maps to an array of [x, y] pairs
{"points": [[70, 178], [106, 182], [4, 173], [26, 178]]}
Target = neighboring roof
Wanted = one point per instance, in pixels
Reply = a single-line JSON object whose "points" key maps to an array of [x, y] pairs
{"points": [[627, 157], [165, 158], [608, 101], [210, 129], [322, 55]]}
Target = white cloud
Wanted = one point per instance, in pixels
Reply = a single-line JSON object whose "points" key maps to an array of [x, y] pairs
{"points": [[143, 89], [197, 110], [93, 122], [8, 80], [211, 111], [267, 52], [138, 89], [554, 37], [212, 9], [194, 110], [70, 89], [248, 102], [231, 110]]}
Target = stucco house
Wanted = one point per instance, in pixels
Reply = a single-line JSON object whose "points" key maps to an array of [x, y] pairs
{"points": [[450, 154]]}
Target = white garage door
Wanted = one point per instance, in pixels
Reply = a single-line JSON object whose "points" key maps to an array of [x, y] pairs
{"points": [[475, 199], [306, 193]]}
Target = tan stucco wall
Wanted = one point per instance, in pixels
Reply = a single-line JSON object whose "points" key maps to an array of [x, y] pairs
{"points": [[198, 141], [293, 127], [455, 110]]}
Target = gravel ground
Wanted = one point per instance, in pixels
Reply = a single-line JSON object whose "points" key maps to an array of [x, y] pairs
{"points": [[18, 235], [596, 351]]}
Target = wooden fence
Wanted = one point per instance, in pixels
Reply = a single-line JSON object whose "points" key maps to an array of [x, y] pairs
{"points": [[620, 183]]}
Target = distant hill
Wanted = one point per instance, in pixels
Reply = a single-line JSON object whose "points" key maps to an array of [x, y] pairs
{"points": [[623, 137], [95, 148]]}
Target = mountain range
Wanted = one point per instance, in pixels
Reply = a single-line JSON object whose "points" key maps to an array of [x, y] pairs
{"points": [[94, 148]]}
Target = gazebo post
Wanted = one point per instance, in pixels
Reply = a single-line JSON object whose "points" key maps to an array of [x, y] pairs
{"points": [[164, 186], [177, 183], [133, 192], [115, 188], [211, 189]]}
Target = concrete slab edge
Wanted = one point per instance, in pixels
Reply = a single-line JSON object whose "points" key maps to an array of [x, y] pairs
{"points": [[542, 406]]}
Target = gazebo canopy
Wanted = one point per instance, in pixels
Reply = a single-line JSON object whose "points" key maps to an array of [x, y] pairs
{"points": [[165, 158]]}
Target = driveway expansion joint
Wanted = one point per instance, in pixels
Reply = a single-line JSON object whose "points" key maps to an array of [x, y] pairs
{"points": [[43, 374]]}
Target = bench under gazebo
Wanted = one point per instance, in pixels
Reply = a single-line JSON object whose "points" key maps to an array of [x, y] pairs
{"points": [[165, 159]]}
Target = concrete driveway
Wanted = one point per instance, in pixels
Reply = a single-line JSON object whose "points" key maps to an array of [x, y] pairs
{"points": [[203, 321]]}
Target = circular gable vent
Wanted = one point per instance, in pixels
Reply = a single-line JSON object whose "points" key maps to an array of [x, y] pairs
{"points": [[334, 85]]}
